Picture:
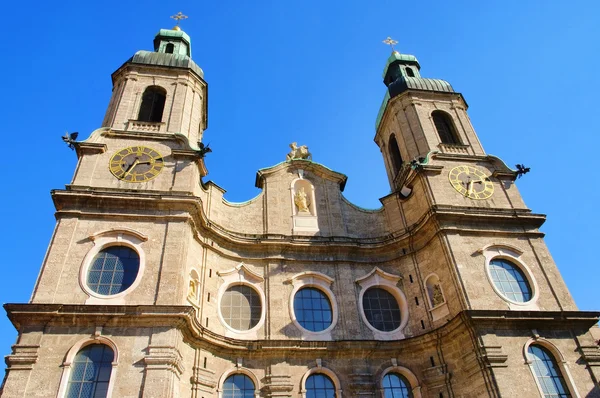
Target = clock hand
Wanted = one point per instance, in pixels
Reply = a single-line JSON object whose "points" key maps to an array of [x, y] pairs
{"points": [[137, 161]]}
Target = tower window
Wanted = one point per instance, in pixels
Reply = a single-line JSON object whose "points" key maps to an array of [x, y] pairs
{"points": [[153, 104], [381, 309], [445, 127], [409, 72], [91, 370], [319, 385], [510, 280], [238, 386], [169, 48], [113, 270], [395, 154], [547, 373], [396, 386], [312, 309], [241, 307]]}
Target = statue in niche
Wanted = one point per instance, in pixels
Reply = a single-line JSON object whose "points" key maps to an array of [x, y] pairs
{"points": [[301, 201], [298, 152], [192, 291], [438, 297]]}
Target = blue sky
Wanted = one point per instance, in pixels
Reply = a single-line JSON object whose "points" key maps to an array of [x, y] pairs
{"points": [[310, 72]]}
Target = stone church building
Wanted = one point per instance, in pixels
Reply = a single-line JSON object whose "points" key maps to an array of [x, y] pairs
{"points": [[155, 286]]}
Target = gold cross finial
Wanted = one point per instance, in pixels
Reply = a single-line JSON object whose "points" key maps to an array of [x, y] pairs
{"points": [[390, 42], [178, 17]]}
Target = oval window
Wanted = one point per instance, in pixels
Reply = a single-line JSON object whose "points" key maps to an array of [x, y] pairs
{"points": [[241, 307], [312, 309], [510, 280], [381, 309], [113, 270]]}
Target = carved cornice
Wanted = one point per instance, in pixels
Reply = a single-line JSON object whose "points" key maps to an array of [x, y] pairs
{"points": [[184, 318], [23, 357]]}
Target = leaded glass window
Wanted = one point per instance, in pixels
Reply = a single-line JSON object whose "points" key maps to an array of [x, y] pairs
{"points": [[547, 373], [312, 309], [319, 385], [396, 386], [241, 307], [238, 386], [510, 280], [381, 309], [90, 372], [113, 270]]}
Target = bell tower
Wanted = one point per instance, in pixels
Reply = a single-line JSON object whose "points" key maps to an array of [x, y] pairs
{"points": [[161, 91], [419, 115]]}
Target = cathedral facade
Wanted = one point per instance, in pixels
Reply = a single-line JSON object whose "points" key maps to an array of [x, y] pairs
{"points": [[155, 286]]}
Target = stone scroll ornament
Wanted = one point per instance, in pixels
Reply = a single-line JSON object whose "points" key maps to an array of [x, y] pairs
{"points": [[298, 152]]}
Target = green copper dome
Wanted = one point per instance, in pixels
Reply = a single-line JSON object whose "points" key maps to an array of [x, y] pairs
{"points": [[402, 73]]}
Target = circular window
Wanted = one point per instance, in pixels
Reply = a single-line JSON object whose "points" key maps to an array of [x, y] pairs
{"points": [[241, 307], [510, 280], [238, 386], [113, 270], [319, 385], [396, 386], [381, 309], [312, 309]]}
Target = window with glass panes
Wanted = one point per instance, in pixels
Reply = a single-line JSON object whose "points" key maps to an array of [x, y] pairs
{"points": [[241, 307], [396, 386], [510, 280], [238, 386], [319, 385], [90, 372], [312, 309], [381, 309], [113, 270], [547, 373]]}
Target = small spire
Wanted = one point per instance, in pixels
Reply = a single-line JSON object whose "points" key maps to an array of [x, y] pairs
{"points": [[178, 17], [391, 42]]}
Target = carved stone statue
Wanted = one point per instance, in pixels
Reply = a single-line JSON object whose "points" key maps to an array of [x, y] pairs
{"points": [[438, 297], [301, 201], [192, 289], [298, 152]]}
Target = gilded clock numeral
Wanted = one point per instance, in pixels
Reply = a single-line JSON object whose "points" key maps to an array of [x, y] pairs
{"points": [[471, 182]]}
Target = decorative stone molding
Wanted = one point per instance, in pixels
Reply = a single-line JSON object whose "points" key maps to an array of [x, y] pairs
{"points": [[203, 381], [361, 385], [454, 148], [590, 354], [138, 125], [437, 376], [277, 386], [23, 357], [164, 358], [493, 356]]}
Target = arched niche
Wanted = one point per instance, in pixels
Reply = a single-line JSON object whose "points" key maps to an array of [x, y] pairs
{"points": [[304, 207], [435, 297]]}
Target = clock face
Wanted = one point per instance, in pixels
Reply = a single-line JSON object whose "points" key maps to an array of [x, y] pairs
{"points": [[136, 164], [471, 182]]}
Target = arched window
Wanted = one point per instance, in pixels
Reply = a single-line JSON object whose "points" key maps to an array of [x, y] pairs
{"points": [[445, 127], [312, 309], [241, 307], [547, 373], [510, 280], [169, 48], [409, 72], [319, 385], [395, 154], [381, 309], [90, 374], [238, 386], [113, 270], [153, 104], [396, 386]]}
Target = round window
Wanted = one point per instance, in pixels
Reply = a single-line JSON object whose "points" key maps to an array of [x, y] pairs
{"points": [[510, 280], [312, 309], [241, 307], [113, 270], [381, 309]]}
